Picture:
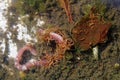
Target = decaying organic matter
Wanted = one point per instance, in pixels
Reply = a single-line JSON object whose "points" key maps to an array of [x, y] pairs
{"points": [[62, 44], [90, 31], [56, 53], [87, 33]]}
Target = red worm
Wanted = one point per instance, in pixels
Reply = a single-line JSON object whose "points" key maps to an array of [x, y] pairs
{"points": [[58, 38], [33, 62], [29, 64]]}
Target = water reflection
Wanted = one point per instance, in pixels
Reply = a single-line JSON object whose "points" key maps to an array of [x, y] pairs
{"points": [[112, 3]]}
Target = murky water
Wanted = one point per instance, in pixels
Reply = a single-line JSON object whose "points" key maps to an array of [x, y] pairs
{"points": [[14, 33]]}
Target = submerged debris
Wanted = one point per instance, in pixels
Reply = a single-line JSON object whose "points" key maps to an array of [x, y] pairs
{"points": [[87, 33], [90, 31], [62, 44]]}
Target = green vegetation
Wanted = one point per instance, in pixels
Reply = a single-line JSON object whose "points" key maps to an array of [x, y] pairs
{"points": [[31, 7], [100, 8]]}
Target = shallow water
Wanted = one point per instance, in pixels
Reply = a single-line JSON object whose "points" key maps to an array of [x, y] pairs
{"points": [[84, 68]]}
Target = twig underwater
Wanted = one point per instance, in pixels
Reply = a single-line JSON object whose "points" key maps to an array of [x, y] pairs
{"points": [[66, 5]]}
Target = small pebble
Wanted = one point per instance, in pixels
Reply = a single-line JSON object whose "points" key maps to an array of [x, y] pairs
{"points": [[78, 58], [22, 74], [117, 66]]}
